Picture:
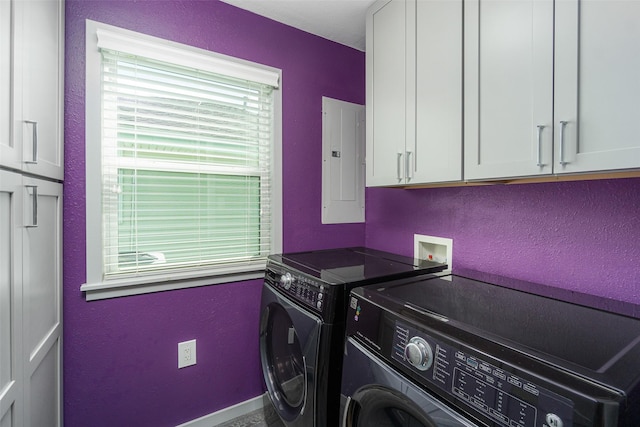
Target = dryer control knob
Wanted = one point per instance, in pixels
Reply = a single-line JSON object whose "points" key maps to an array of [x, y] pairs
{"points": [[286, 280], [418, 353]]}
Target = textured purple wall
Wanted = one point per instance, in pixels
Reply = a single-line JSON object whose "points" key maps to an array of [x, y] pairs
{"points": [[120, 356], [582, 236]]}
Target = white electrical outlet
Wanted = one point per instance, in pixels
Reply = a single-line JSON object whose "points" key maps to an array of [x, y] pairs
{"points": [[186, 353]]}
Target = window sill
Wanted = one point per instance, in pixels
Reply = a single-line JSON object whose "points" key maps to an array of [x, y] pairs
{"points": [[137, 286]]}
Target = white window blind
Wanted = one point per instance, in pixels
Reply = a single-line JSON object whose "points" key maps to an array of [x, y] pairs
{"points": [[186, 161]]}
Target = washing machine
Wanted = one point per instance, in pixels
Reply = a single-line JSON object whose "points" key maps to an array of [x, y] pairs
{"points": [[455, 351], [302, 324]]}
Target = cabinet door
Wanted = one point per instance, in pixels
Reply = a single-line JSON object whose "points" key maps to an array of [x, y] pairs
{"points": [[597, 85], [11, 382], [42, 305], [437, 155], [38, 85], [9, 156], [508, 88], [386, 93]]}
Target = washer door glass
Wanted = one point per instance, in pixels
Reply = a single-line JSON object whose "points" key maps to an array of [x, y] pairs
{"points": [[376, 406], [284, 361]]}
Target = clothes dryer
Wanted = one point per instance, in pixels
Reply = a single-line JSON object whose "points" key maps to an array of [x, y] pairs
{"points": [[302, 325]]}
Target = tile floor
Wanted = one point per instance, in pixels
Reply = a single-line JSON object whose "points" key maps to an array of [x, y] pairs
{"points": [[265, 417]]}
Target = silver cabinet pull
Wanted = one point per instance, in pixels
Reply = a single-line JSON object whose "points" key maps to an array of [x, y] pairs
{"points": [[35, 142], [399, 166], [34, 219], [407, 165], [539, 155], [563, 125]]}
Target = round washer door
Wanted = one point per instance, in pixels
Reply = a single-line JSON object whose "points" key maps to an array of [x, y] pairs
{"points": [[283, 362], [377, 406]]}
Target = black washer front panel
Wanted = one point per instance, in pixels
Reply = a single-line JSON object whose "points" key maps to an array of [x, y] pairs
{"points": [[496, 392], [494, 384], [312, 294]]}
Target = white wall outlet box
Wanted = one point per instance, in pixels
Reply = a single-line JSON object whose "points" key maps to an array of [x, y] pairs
{"points": [[438, 249], [186, 353]]}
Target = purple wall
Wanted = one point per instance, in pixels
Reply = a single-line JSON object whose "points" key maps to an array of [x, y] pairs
{"points": [[120, 355], [582, 236]]}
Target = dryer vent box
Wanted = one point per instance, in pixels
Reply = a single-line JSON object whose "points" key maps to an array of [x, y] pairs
{"points": [[438, 249]]}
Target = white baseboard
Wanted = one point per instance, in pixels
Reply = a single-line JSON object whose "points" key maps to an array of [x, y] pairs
{"points": [[227, 414]]}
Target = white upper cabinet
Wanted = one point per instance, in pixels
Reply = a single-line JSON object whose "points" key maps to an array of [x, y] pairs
{"points": [[386, 102], [438, 93], [32, 131], [526, 115], [6, 151], [597, 88], [508, 88], [414, 92]]}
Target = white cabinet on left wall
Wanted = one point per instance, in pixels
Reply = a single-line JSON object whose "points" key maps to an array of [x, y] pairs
{"points": [[32, 86], [414, 92], [30, 301], [31, 173]]}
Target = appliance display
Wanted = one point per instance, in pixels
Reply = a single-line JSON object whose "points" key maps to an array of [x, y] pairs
{"points": [[302, 324], [499, 356]]}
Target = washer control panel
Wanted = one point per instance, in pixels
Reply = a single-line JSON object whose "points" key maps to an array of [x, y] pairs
{"points": [[303, 289], [507, 399]]}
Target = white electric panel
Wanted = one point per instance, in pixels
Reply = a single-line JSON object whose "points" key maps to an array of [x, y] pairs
{"points": [[343, 167]]}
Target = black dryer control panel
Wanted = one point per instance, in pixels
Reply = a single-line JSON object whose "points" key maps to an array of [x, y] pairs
{"points": [[506, 398]]}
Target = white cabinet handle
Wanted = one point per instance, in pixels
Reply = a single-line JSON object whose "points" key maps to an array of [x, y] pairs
{"points": [[34, 219], [35, 142], [399, 167], [563, 125], [407, 166], [539, 158]]}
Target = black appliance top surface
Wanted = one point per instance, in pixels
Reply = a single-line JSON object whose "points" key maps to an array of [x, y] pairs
{"points": [[583, 336], [355, 265]]}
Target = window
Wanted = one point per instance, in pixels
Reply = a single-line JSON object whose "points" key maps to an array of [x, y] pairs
{"points": [[187, 143]]}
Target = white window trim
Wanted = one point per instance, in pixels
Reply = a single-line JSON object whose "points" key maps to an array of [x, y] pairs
{"points": [[96, 288]]}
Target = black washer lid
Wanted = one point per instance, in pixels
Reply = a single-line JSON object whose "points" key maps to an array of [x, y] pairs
{"points": [[355, 265], [597, 343]]}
